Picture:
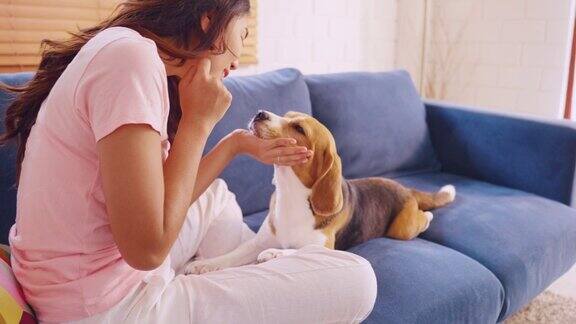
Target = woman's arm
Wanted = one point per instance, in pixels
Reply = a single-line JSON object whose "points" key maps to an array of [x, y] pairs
{"points": [[146, 201]]}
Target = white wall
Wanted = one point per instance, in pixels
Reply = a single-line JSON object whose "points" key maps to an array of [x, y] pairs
{"points": [[409, 38], [321, 36], [510, 55]]}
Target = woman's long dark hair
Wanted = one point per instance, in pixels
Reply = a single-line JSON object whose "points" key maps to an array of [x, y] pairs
{"points": [[177, 20]]}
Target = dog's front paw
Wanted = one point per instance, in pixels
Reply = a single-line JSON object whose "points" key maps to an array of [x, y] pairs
{"points": [[429, 216], [201, 266], [270, 254]]}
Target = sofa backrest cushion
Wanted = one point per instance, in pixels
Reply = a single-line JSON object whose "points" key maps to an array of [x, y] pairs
{"points": [[377, 119], [8, 158]]}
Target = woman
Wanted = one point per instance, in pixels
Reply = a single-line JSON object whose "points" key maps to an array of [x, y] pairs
{"points": [[106, 218]]}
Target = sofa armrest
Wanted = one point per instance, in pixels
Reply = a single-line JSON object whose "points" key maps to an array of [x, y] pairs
{"points": [[527, 153]]}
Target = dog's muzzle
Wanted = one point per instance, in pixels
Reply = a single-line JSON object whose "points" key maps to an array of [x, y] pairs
{"points": [[261, 116]]}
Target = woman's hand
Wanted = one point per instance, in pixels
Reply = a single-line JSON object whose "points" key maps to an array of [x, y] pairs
{"points": [[279, 151], [203, 97]]}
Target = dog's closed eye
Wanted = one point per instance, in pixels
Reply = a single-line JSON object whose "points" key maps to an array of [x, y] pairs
{"points": [[299, 129]]}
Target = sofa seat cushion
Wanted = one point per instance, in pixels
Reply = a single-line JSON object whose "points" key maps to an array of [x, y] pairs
{"points": [[278, 91], [423, 282], [527, 241], [377, 119]]}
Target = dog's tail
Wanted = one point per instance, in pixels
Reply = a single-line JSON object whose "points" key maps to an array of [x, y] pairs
{"points": [[428, 201]]}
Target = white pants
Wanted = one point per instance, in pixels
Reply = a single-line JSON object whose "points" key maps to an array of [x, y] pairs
{"points": [[313, 285]]}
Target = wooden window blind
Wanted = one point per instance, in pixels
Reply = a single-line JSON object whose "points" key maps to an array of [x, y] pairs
{"points": [[25, 23]]}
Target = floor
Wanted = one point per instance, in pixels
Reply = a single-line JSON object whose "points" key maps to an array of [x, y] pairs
{"points": [[546, 308], [565, 285]]}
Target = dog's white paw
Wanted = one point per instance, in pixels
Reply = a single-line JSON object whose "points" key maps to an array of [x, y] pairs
{"points": [[201, 266], [450, 190], [270, 254], [429, 216]]}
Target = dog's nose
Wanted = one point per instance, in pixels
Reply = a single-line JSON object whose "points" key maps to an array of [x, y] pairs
{"points": [[261, 115]]}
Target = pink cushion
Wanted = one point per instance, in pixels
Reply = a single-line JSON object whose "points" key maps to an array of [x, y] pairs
{"points": [[14, 308]]}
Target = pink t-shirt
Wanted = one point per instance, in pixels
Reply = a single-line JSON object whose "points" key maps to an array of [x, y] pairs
{"points": [[63, 251]]}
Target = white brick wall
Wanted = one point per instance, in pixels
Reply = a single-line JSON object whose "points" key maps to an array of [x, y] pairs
{"points": [[548, 9], [508, 55], [526, 31], [322, 36]]}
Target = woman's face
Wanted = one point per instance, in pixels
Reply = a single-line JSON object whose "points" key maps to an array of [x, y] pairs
{"points": [[233, 37]]}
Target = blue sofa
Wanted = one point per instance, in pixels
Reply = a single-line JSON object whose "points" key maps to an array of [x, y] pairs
{"points": [[508, 235]]}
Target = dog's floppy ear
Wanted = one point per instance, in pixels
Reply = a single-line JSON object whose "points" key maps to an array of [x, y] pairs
{"points": [[326, 197]]}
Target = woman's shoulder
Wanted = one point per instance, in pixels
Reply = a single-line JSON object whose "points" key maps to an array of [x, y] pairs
{"points": [[123, 43], [116, 58], [116, 33]]}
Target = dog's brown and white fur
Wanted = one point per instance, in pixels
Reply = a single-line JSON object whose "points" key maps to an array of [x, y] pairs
{"points": [[314, 204]]}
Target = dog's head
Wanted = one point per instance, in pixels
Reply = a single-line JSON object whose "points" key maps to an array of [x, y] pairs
{"points": [[323, 172]]}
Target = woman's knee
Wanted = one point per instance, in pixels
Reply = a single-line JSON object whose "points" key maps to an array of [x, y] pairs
{"points": [[223, 224], [215, 208], [227, 200], [368, 284], [219, 191], [222, 201], [359, 271], [218, 185]]}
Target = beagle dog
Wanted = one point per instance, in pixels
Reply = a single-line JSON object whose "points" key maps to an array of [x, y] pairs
{"points": [[314, 204]]}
